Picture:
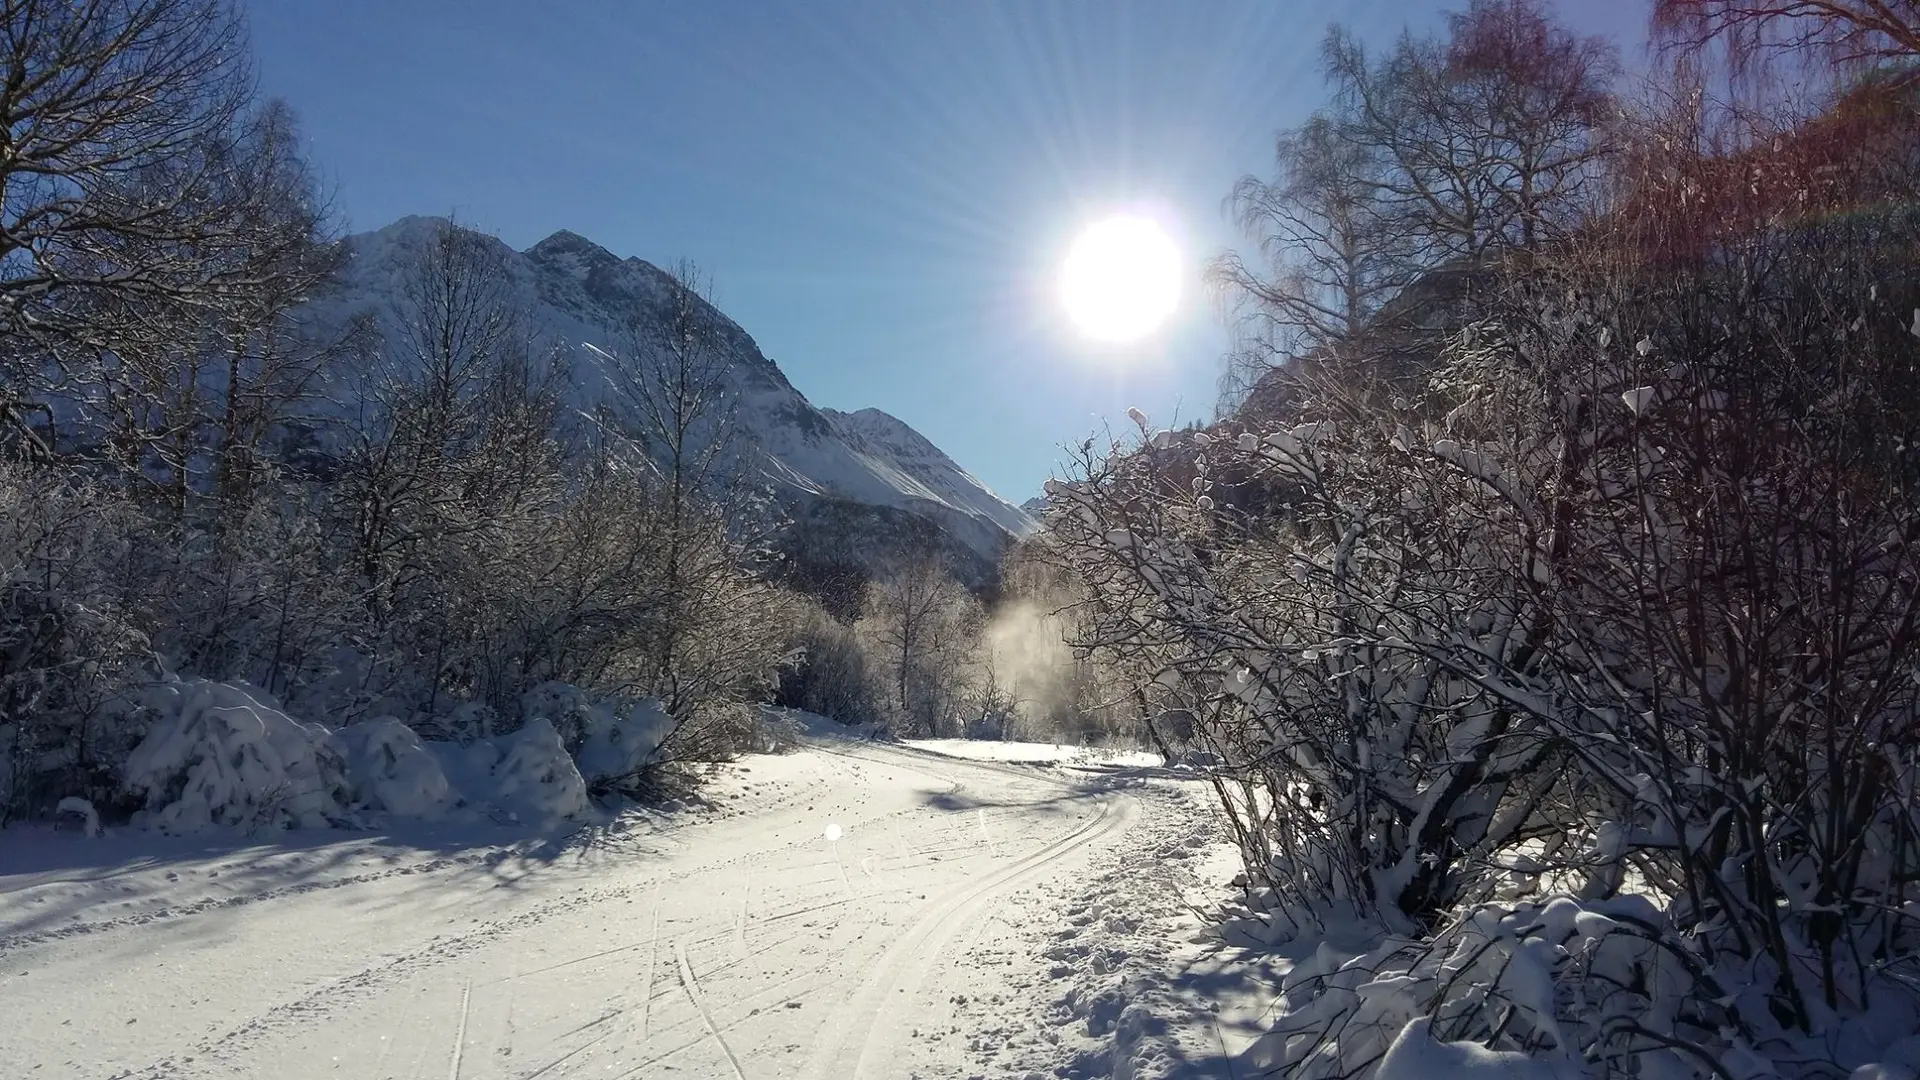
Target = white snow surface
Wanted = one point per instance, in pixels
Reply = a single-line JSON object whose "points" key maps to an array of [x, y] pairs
{"points": [[1036, 753], [971, 918], [582, 296]]}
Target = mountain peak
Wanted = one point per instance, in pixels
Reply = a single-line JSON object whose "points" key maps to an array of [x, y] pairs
{"points": [[878, 424], [569, 248], [888, 438]]}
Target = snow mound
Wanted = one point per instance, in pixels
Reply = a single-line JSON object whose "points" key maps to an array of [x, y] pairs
{"points": [[525, 777], [224, 754], [619, 743], [1416, 1055], [80, 813], [391, 771]]}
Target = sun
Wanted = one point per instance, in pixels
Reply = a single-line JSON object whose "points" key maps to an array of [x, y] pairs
{"points": [[1121, 280]]}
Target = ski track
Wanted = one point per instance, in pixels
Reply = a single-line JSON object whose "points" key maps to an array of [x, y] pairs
{"points": [[779, 961]]}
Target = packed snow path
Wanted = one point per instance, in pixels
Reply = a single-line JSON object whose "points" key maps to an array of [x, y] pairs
{"points": [[813, 932]]}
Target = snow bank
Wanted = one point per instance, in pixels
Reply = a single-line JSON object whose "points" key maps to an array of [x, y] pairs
{"points": [[80, 813], [525, 777], [1416, 1055], [390, 770], [536, 780], [1535, 990], [619, 743], [224, 754]]}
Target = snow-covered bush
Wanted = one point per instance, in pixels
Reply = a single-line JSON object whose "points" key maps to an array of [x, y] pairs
{"points": [[1357, 664], [621, 741], [830, 673], [221, 754], [77, 814], [224, 754], [922, 632], [1554, 987], [256, 592], [389, 770], [525, 777], [565, 706]]}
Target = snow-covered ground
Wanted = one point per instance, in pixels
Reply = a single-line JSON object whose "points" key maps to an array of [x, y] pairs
{"points": [[1036, 753], [850, 910]]}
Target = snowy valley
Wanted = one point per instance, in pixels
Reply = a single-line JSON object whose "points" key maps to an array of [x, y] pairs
{"points": [[428, 656]]}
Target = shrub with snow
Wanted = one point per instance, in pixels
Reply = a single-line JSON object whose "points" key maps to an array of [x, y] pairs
{"points": [[390, 771], [564, 705], [526, 777], [224, 754], [221, 754], [619, 743], [77, 814]]}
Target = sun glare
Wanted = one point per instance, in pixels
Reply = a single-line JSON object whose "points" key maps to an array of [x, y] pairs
{"points": [[1121, 279]]}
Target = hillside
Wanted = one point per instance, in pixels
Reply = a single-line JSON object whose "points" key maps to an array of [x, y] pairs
{"points": [[858, 487]]}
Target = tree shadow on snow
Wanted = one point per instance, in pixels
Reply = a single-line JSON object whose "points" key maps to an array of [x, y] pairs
{"points": [[56, 884], [961, 800]]}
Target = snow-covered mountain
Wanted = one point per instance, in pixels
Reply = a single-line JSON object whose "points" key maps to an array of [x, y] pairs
{"points": [[859, 486]]}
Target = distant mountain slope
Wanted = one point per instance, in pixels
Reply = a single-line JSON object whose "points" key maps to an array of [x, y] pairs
{"points": [[922, 466], [846, 478]]}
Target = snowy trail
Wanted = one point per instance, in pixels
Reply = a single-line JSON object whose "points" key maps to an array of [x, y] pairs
{"points": [[740, 948]]}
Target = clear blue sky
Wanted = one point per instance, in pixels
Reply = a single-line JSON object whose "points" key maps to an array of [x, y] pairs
{"points": [[881, 191]]}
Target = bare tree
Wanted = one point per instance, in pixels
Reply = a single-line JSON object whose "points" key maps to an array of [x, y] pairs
{"points": [[457, 330], [1851, 33], [1491, 134], [674, 379], [122, 124], [189, 403], [1328, 257], [676, 401], [921, 621], [1435, 154]]}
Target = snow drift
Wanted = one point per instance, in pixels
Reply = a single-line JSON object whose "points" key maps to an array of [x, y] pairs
{"points": [[224, 754], [227, 755]]}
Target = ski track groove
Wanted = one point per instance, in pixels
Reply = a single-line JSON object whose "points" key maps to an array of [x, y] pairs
{"points": [[870, 1002], [693, 994], [653, 955], [460, 1032]]}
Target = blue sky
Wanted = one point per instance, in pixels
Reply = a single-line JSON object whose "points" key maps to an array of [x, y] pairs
{"points": [[882, 192]]}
